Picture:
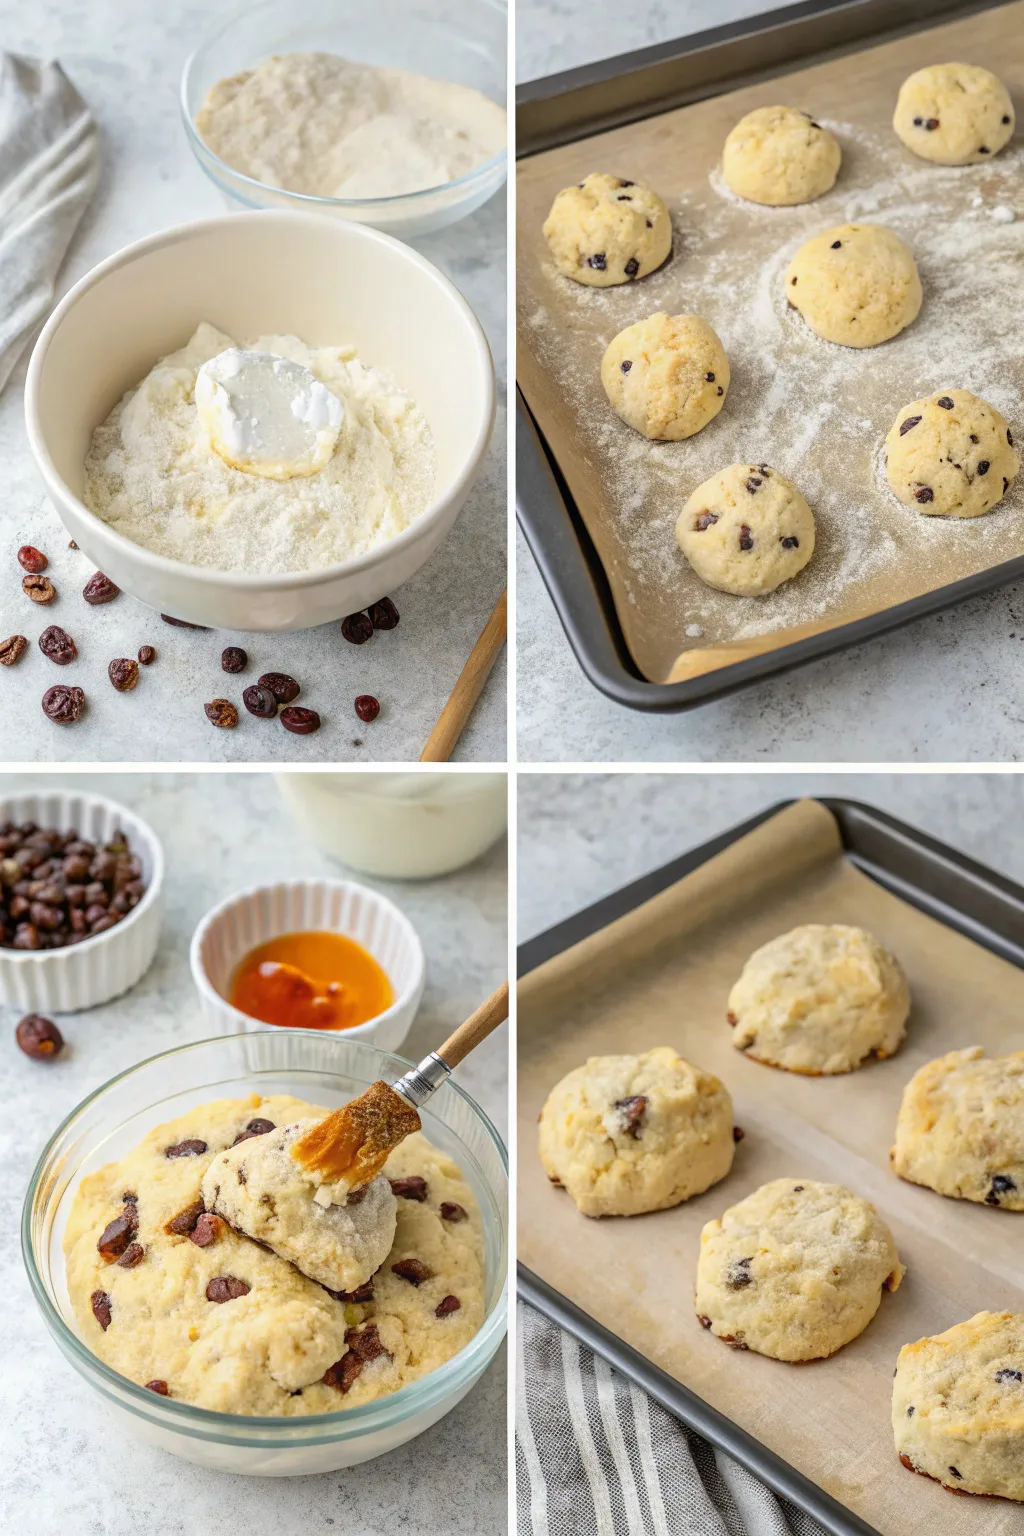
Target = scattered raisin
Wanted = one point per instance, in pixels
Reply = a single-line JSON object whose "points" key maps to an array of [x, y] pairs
{"points": [[924, 493], [12, 649], [39, 588], [254, 1128], [206, 1230], [193, 1147], [367, 707], [57, 645], [32, 559], [38, 1037], [705, 1322], [147, 655], [746, 537], [259, 701], [738, 1133], [945, 402], [632, 267], [704, 521], [117, 1234], [383, 615], [233, 659], [157, 1386], [626, 365], [301, 722], [100, 1303], [411, 1188], [100, 589], [133, 1254], [447, 1306], [357, 628], [631, 1112], [182, 1224], [226, 1288], [63, 705], [413, 1270], [222, 713], [905, 426], [452, 1211], [123, 673], [283, 687]]}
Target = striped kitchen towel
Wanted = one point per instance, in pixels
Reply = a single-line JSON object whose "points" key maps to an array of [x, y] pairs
{"points": [[595, 1456]]}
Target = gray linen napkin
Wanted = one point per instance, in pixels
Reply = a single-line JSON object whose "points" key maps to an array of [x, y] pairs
{"points": [[49, 164], [595, 1456]]}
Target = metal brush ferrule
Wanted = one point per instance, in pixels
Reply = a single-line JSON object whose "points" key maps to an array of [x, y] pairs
{"points": [[418, 1085]]}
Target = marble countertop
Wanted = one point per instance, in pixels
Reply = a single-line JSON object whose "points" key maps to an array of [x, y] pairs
{"points": [[126, 60], [945, 689], [64, 1466]]}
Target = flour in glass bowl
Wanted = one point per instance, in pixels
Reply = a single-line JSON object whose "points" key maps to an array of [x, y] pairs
{"points": [[152, 474]]}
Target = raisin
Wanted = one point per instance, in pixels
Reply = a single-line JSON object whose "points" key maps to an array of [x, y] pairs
{"points": [[910, 1411], [705, 1322], [411, 1188], [38, 1037], [598, 261], [918, 122], [932, 124], [945, 402], [753, 484], [413, 1270], [193, 1147], [133, 1254], [233, 659], [720, 390], [100, 1303], [1005, 119], [100, 589], [39, 588], [226, 1288], [123, 673], [790, 541], [710, 378], [32, 559], [12, 649], [57, 645], [1009, 437], [147, 655], [260, 702], [956, 1474], [343, 1372], [221, 713], [631, 1113], [254, 1128], [362, 1293], [627, 365], [365, 1343], [452, 1211], [983, 149], [383, 615], [738, 1274], [206, 1230], [301, 722], [157, 1386], [63, 705], [704, 521], [367, 707], [738, 1133], [446, 1306], [283, 687], [1007, 1373], [905, 426], [924, 493], [798, 1189], [624, 183], [182, 1224], [632, 267], [746, 537], [1001, 1184], [836, 244], [983, 466], [357, 628]]}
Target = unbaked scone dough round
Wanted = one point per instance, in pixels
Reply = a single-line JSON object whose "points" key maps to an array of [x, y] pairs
{"points": [[666, 376], [607, 231], [950, 455], [796, 1270], [958, 1406], [960, 1128], [778, 156], [856, 284], [627, 1134], [820, 999], [955, 114], [746, 530]]}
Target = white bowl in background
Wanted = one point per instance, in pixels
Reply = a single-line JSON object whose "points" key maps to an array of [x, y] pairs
{"points": [[97, 969], [329, 282], [228, 933], [466, 43]]}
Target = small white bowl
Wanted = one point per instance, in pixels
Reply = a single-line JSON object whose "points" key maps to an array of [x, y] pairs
{"points": [[228, 933], [92, 972], [331, 283]]}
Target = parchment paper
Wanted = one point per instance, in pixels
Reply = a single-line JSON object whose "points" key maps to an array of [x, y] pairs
{"points": [[661, 976], [817, 412]]}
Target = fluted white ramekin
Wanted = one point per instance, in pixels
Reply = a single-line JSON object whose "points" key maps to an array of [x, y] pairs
{"points": [[97, 969], [228, 933]]}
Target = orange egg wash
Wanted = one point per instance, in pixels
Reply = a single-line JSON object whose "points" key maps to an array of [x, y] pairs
{"points": [[311, 981]]}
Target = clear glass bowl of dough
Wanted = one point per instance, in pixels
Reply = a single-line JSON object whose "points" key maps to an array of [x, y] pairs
{"points": [[464, 41], [115, 1118]]}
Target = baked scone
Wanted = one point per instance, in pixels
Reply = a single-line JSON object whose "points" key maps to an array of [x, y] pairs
{"points": [[796, 1270], [950, 455], [820, 999], [954, 114], [856, 284], [779, 156], [666, 376], [746, 530], [958, 1406], [627, 1134], [608, 230], [960, 1128]]}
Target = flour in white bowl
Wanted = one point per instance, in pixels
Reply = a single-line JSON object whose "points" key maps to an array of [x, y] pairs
{"points": [[323, 126], [153, 476]]}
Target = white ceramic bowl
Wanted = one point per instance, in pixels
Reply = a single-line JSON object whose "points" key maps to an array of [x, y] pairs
{"points": [[464, 41], [323, 1069], [325, 280], [83, 975], [228, 933]]}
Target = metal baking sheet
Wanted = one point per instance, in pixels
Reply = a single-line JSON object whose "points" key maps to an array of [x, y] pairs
{"points": [[960, 895], [598, 503]]}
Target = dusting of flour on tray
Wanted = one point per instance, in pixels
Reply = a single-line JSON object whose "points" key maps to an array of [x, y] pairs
{"points": [[817, 412], [153, 476], [324, 126]]}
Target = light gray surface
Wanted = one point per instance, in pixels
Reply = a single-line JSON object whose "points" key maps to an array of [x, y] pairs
{"points": [[126, 59], [65, 1470], [582, 836], [946, 689]]}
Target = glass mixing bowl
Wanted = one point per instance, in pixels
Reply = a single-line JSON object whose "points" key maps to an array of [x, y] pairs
{"points": [[464, 41], [328, 1071]]}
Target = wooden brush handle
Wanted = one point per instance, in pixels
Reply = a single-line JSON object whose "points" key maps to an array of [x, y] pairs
{"points": [[443, 738], [476, 1028]]}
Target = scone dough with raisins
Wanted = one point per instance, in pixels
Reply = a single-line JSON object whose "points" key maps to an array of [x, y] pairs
{"points": [[960, 1129], [856, 285], [820, 999], [628, 1134], [958, 1406], [608, 230], [666, 376], [954, 114], [746, 530], [950, 455], [796, 1270], [778, 157]]}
